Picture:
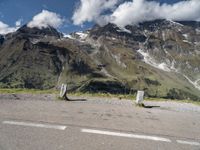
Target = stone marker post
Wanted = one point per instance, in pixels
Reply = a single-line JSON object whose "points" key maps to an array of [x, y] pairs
{"points": [[140, 97], [63, 92]]}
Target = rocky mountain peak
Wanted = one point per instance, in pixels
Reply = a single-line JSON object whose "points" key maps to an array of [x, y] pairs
{"points": [[49, 31], [148, 25], [194, 24], [111, 30]]}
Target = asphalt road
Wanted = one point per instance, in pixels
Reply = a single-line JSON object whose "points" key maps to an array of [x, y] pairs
{"points": [[96, 125]]}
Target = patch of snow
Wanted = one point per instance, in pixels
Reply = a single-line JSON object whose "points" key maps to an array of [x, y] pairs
{"points": [[165, 50], [176, 23], [68, 36], [197, 43], [188, 65], [146, 33], [82, 35], [104, 71], [186, 36], [186, 41], [173, 66], [118, 60], [197, 31], [35, 41], [151, 61], [163, 66], [194, 83], [179, 30], [113, 38], [124, 30], [163, 36]]}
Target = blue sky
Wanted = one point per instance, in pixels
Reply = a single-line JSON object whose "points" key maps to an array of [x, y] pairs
{"points": [[13, 10]]}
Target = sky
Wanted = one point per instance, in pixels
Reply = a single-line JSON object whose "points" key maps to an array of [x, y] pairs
{"points": [[75, 15]]}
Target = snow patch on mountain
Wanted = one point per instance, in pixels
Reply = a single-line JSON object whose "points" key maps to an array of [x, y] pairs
{"points": [[151, 61], [186, 36], [186, 41], [194, 83], [68, 36], [105, 72], [118, 60], [163, 66], [124, 30], [175, 23], [198, 31], [163, 36], [35, 41], [82, 35]]}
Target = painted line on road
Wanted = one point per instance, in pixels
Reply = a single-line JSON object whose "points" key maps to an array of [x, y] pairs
{"points": [[188, 142], [29, 124], [136, 136]]}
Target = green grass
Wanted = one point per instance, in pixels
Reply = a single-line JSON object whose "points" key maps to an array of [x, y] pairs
{"points": [[131, 97], [102, 95], [27, 91]]}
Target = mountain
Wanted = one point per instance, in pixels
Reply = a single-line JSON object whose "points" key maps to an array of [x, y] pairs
{"points": [[160, 57], [36, 32], [28, 60], [1, 39]]}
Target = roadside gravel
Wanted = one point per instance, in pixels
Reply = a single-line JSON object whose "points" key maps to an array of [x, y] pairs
{"points": [[163, 105]]}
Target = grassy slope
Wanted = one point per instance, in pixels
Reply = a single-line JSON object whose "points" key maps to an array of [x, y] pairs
{"points": [[101, 95]]}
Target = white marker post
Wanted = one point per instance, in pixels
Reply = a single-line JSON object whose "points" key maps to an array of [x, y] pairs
{"points": [[63, 92], [140, 97]]}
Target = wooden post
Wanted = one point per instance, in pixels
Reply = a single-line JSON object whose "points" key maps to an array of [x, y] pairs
{"points": [[63, 92]]}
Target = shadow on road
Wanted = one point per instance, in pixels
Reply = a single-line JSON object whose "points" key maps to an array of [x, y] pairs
{"points": [[149, 106], [77, 100]]}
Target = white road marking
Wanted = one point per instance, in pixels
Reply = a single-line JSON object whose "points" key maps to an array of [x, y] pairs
{"points": [[188, 142], [136, 136], [29, 124]]}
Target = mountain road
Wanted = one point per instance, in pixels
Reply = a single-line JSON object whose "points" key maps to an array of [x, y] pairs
{"points": [[29, 122]]}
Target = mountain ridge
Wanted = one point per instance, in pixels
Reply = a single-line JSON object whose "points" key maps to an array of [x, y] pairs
{"points": [[160, 57]]}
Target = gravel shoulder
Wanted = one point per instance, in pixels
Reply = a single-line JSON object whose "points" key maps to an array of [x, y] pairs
{"points": [[162, 105]]}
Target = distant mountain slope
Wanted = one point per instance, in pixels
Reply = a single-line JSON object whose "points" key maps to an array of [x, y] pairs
{"points": [[161, 57], [1, 39]]}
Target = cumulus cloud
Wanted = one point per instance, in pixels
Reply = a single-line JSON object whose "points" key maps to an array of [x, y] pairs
{"points": [[136, 11], [45, 19], [141, 10], [18, 23], [5, 29], [92, 10]]}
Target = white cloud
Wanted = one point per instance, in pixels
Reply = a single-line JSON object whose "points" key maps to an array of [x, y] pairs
{"points": [[5, 29], [185, 10], [136, 11], [91, 10], [18, 23], [45, 19], [141, 10]]}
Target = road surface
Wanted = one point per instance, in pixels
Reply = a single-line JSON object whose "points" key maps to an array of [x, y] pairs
{"points": [[31, 123]]}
